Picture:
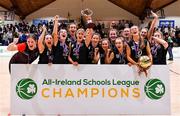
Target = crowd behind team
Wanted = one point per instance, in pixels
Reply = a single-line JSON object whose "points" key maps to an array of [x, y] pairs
{"points": [[55, 44]]}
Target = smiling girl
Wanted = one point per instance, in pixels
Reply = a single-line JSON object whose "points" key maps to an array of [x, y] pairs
{"points": [[27, 51]]}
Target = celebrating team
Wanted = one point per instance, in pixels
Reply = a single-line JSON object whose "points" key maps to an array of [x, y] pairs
{"points": [[81, 46]]}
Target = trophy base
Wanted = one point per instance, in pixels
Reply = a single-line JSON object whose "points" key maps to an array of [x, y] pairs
{"points": [[90, 25]]}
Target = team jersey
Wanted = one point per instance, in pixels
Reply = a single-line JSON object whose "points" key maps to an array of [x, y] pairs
{"points": [[103, 55], [159, 54], [24, 55], [70, 40], [46, 56], [79, 53], [61, 53], [91, 51], [119, 58], [136, 50]]}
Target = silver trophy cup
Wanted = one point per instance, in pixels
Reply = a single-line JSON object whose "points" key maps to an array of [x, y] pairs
{"points": [[87, 13]]}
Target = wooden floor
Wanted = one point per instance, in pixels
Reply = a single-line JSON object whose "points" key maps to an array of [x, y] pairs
{"points": [[5, 87]]}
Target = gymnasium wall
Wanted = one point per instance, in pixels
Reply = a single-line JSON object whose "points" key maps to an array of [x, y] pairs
{"points": [[172, 12], [103, 10], [9, 22]]}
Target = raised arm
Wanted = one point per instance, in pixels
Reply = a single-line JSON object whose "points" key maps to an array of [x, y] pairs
{"points": [[12, 47], [55, 30], [128, 52], [41, 39], [150, 32], [109, 56], [148, 50], [96, 55], [69, 57], [161, 41]]}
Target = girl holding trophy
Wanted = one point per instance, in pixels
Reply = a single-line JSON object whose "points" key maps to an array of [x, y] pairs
{"points": [[136, 48]]}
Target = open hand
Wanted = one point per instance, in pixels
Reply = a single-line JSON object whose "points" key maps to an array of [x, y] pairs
{"points": [[154, 14]]}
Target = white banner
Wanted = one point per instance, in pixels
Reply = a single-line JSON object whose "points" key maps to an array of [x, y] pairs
{"points": [[89, 89]]}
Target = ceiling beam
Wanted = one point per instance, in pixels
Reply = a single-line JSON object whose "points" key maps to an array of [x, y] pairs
{"points": [[148, 3], [165, 5], [144, 11], [116, 3], [16, 8], [40, 7], [2, 5]]}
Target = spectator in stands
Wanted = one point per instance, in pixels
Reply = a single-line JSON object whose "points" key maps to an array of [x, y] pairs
{"points": [[163, 29], [121, 25], [170, 45], [113, 25], [130, 24], [126, 25], [1, 35], [177, 35]]}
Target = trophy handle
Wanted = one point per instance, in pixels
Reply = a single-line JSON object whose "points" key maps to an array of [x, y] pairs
{"points": [[87, 13]]}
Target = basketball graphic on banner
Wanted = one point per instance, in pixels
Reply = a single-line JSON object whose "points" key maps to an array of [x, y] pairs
{"points": [[26, 89], [154, 89]]}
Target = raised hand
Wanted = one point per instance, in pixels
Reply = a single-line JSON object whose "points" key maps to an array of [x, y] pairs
{"points": [[108, 51], [96, 51], [44, 28], [75, 63], [56, 18], [154, 14], [89, 32]]}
